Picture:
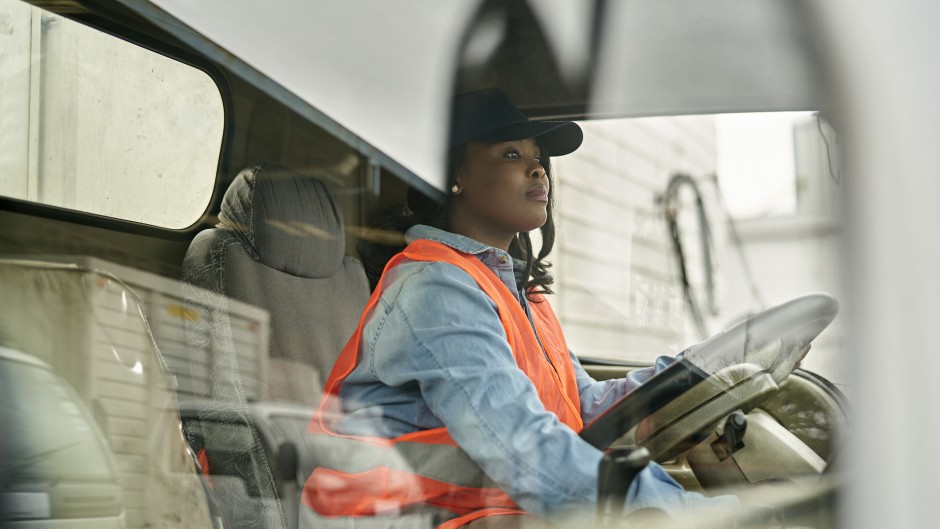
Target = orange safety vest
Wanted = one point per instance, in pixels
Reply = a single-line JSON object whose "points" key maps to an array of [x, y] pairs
{"points": [[363, 476]]}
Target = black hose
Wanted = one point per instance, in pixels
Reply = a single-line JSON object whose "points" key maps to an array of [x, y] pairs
{"points": [[670, 201]]}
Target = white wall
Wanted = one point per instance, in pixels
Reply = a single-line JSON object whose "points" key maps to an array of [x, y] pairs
{"points": [[93, 123], [618, 292]]}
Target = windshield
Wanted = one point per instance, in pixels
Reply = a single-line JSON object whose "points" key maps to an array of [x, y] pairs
{"points": [[431, 318], [657, 251]]}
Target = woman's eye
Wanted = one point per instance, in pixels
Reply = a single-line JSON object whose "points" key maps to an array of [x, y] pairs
{"points": [[538, 160], [512, 155]]}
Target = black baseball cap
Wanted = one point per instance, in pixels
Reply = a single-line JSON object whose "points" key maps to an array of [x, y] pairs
{"points": [[488, 115]]}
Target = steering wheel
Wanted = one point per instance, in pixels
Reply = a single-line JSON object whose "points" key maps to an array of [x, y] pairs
{"points": [[736, 369], [686, 420]]}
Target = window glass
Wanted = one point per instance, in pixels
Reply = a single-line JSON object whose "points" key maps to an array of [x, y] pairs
{"points": [[294, 429], [775, 163], [619, 282], [94, 123], [55, 437]]}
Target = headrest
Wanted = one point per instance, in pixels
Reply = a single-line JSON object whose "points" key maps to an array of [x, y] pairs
{"points": [[285, 220]]}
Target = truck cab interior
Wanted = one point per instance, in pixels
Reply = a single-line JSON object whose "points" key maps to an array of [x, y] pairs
{"points": [[180, 234]]}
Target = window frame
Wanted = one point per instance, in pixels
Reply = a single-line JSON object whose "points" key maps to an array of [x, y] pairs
{"points": [[119, 25]]}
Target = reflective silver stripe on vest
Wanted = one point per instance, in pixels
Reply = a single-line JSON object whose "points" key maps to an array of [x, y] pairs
{"points": [[427, 517], [446, 463]]}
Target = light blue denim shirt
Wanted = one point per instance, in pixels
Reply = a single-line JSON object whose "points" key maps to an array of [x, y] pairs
{"points": [[434, 353]]}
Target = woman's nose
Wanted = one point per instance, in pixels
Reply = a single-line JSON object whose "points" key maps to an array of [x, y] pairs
{"points": [[536, 170]]}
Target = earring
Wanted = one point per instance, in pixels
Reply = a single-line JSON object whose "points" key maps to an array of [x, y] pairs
{"points": [[455, 189]]}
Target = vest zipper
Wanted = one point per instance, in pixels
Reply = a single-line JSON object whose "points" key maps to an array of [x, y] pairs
{"points": [[525, 308]]}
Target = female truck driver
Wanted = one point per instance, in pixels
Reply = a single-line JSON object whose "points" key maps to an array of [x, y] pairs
{"points": [[457, 397]]}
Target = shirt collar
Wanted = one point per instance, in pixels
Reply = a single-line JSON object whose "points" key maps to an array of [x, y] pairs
{"points": [[462, 244], [456, 241]]}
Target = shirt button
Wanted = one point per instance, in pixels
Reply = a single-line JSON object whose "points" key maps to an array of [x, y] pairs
{"points": [[503, 259]]}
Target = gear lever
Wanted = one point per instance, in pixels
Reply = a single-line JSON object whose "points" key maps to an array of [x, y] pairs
{"points": [[618, 468]]}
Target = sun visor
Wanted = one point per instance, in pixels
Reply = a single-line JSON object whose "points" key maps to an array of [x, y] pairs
{"points": [[676, 57]]}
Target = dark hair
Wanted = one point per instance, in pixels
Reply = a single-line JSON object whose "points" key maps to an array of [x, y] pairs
{"points": [[422, 209]]}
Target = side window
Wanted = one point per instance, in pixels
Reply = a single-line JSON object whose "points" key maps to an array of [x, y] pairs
{"points": [[777, 164], [754, 199], [93, 123]]}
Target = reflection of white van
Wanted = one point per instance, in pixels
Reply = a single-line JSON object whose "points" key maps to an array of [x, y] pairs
{"points": [[59, 472]]}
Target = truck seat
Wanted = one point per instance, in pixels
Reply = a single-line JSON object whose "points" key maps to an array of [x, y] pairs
{"points": [[280, 245]]}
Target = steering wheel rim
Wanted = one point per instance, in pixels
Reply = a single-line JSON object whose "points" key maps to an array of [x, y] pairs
{"points": [[723, 364]]}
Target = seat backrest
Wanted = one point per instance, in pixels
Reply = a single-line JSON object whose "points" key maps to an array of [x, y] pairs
{"points": [[280, 245]]}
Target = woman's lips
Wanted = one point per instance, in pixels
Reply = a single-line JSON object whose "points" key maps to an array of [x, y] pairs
{"points": [[539, 193]]}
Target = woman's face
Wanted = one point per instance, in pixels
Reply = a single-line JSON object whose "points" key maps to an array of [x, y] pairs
{"points": [[504, 190]]}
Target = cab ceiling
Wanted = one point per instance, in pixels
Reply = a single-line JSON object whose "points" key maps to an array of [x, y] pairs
{"points": [[380, 74]]}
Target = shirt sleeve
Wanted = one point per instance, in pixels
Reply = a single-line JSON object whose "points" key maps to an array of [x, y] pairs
{"points": [[598, 396]]}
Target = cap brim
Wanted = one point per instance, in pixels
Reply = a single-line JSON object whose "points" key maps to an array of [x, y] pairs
{"points": [[556, 137]]}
